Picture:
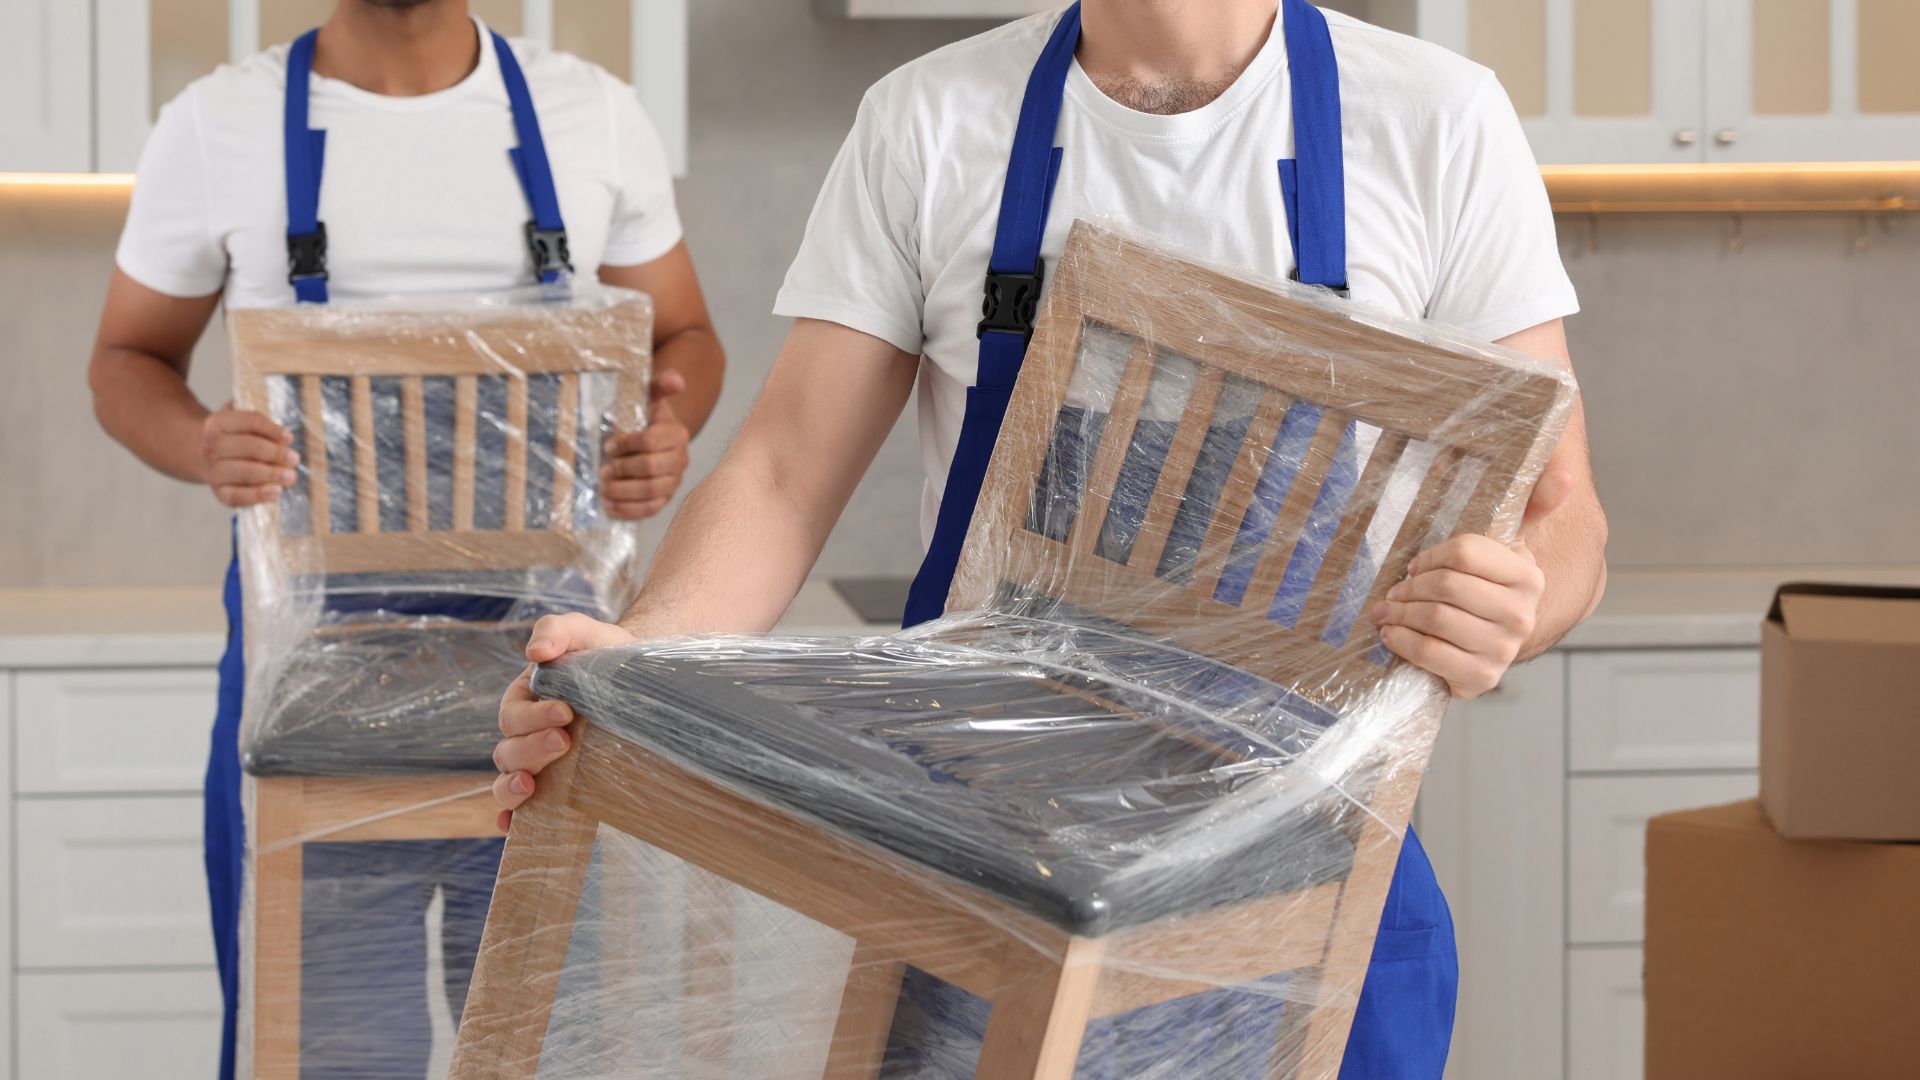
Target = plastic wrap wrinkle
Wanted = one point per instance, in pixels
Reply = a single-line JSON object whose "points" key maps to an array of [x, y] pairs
{"points": [[446, 497], [1129, 810]]}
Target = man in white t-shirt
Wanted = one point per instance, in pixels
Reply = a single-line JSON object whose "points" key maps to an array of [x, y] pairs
{"points": [[1171, 117], [418, 194]]}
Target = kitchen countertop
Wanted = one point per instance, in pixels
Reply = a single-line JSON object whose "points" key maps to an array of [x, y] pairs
{"points": [[1644, 608]]}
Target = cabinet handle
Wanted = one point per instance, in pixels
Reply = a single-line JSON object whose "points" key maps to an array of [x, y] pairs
{"points": [[1685, 137], [1726, 136]]}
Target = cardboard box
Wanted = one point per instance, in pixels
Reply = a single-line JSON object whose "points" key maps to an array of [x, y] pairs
{"points": [[1776, 959], [1840, 712]]}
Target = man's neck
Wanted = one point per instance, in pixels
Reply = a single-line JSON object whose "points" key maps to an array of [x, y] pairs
{"points": [[1170, 56], [398, 50]]}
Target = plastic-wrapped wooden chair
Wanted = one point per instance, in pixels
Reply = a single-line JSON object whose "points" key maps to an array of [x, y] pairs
{"points": [[1193, 534], [438, 446]]}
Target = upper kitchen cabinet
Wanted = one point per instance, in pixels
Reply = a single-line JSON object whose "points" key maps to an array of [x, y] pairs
{"points": [[46, 92], [66, 110], [929, 9], [1693, 80], [1813, 80]]}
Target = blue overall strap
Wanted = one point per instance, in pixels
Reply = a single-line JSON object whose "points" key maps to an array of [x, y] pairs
{"points": [[546, 233], [1012, 297], [1317, 205], [305, 154]]}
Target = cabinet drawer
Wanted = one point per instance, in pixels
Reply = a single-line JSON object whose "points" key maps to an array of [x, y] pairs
{"points": [[140, 729], [1607, 840], [1672, 709], [1606, 1015], [91, 1025], [111, 882]]}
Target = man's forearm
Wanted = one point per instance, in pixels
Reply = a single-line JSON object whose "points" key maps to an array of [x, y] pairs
{"points": [[143, 402], [1571, 547], [732, 560], [696, 354]]}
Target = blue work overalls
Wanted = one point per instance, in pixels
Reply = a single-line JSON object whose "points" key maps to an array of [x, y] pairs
{"points": [[355, 1022], [1405, 1014]]}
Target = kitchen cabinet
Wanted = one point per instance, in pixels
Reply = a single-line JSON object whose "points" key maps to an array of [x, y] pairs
{"points": [[80, 84], [46, 92], [1534, 811], [1677, 81], [929, 9], [92, 1025]]}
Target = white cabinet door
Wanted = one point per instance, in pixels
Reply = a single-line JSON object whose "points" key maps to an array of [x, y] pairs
{"points": [[136, 730], [1813, 80], [1607, 841], [1606, 1015], [111, 882], [1490, 816], [1664, 709], [46, 91], [100, 1025], [1592, 80]]}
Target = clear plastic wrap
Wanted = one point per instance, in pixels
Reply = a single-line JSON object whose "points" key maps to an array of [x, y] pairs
{"points": [[446, 497], [1129, 810]]}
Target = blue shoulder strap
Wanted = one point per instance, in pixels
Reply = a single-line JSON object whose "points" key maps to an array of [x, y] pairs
{"points": [[1317, 207], [305, 153], [1313, 186], [1011, 300]]}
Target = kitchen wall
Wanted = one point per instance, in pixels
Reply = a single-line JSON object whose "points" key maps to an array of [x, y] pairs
{"points": [[1749, 407]]}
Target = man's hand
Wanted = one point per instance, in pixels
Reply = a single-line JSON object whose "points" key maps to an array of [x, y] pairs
{"points": [[1469, 606], [245, 458], [532, 728], [643, 468]]}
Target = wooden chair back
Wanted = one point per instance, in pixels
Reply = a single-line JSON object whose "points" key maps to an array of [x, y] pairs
{"points": [[1196, 535], [464, 439]]}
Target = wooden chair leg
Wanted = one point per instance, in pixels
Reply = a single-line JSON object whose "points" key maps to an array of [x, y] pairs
{"points": [[524, 947], [866, 1016], [1040, 1012], [274, 909]]}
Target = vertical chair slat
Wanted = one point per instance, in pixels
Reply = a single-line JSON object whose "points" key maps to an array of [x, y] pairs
{"points": [[1238, 491], [466, 394], [516, 449], [366, 464], [1412, 533], [1104, 471], [1292, 519], [1177, 470], [313, 412], [413, 411], [565, 437], [1347, 538]]}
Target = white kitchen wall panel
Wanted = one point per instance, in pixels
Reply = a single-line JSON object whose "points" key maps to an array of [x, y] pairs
{"points": [[1664, 709], [108, 1026], [1607, 840], [110, 882], [139, 730], [46, 86]]}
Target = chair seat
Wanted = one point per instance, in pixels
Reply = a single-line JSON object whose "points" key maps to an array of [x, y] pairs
{"points": [[381, 699], [1093, 778]]}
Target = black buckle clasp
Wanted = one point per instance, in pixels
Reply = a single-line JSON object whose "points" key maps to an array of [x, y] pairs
{"points": [[1340, 291], [1011, 301], [307, 254], [549, 250]]}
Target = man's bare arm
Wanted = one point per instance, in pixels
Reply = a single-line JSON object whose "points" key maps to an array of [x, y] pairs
{"points": [[1569, 541]]}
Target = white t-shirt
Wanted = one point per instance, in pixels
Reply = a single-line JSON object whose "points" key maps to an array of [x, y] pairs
{"points": [[418, 193], [1447, 217]]}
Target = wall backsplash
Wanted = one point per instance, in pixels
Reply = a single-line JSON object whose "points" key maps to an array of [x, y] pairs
{"points": [[1745, 408]]}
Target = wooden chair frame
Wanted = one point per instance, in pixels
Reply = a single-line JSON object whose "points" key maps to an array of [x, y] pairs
{"points": [[1044, 984], [288, 812]]}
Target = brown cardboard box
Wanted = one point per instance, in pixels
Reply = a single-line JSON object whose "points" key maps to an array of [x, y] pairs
{"points": [[1840, 713], [1777, 959]]}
